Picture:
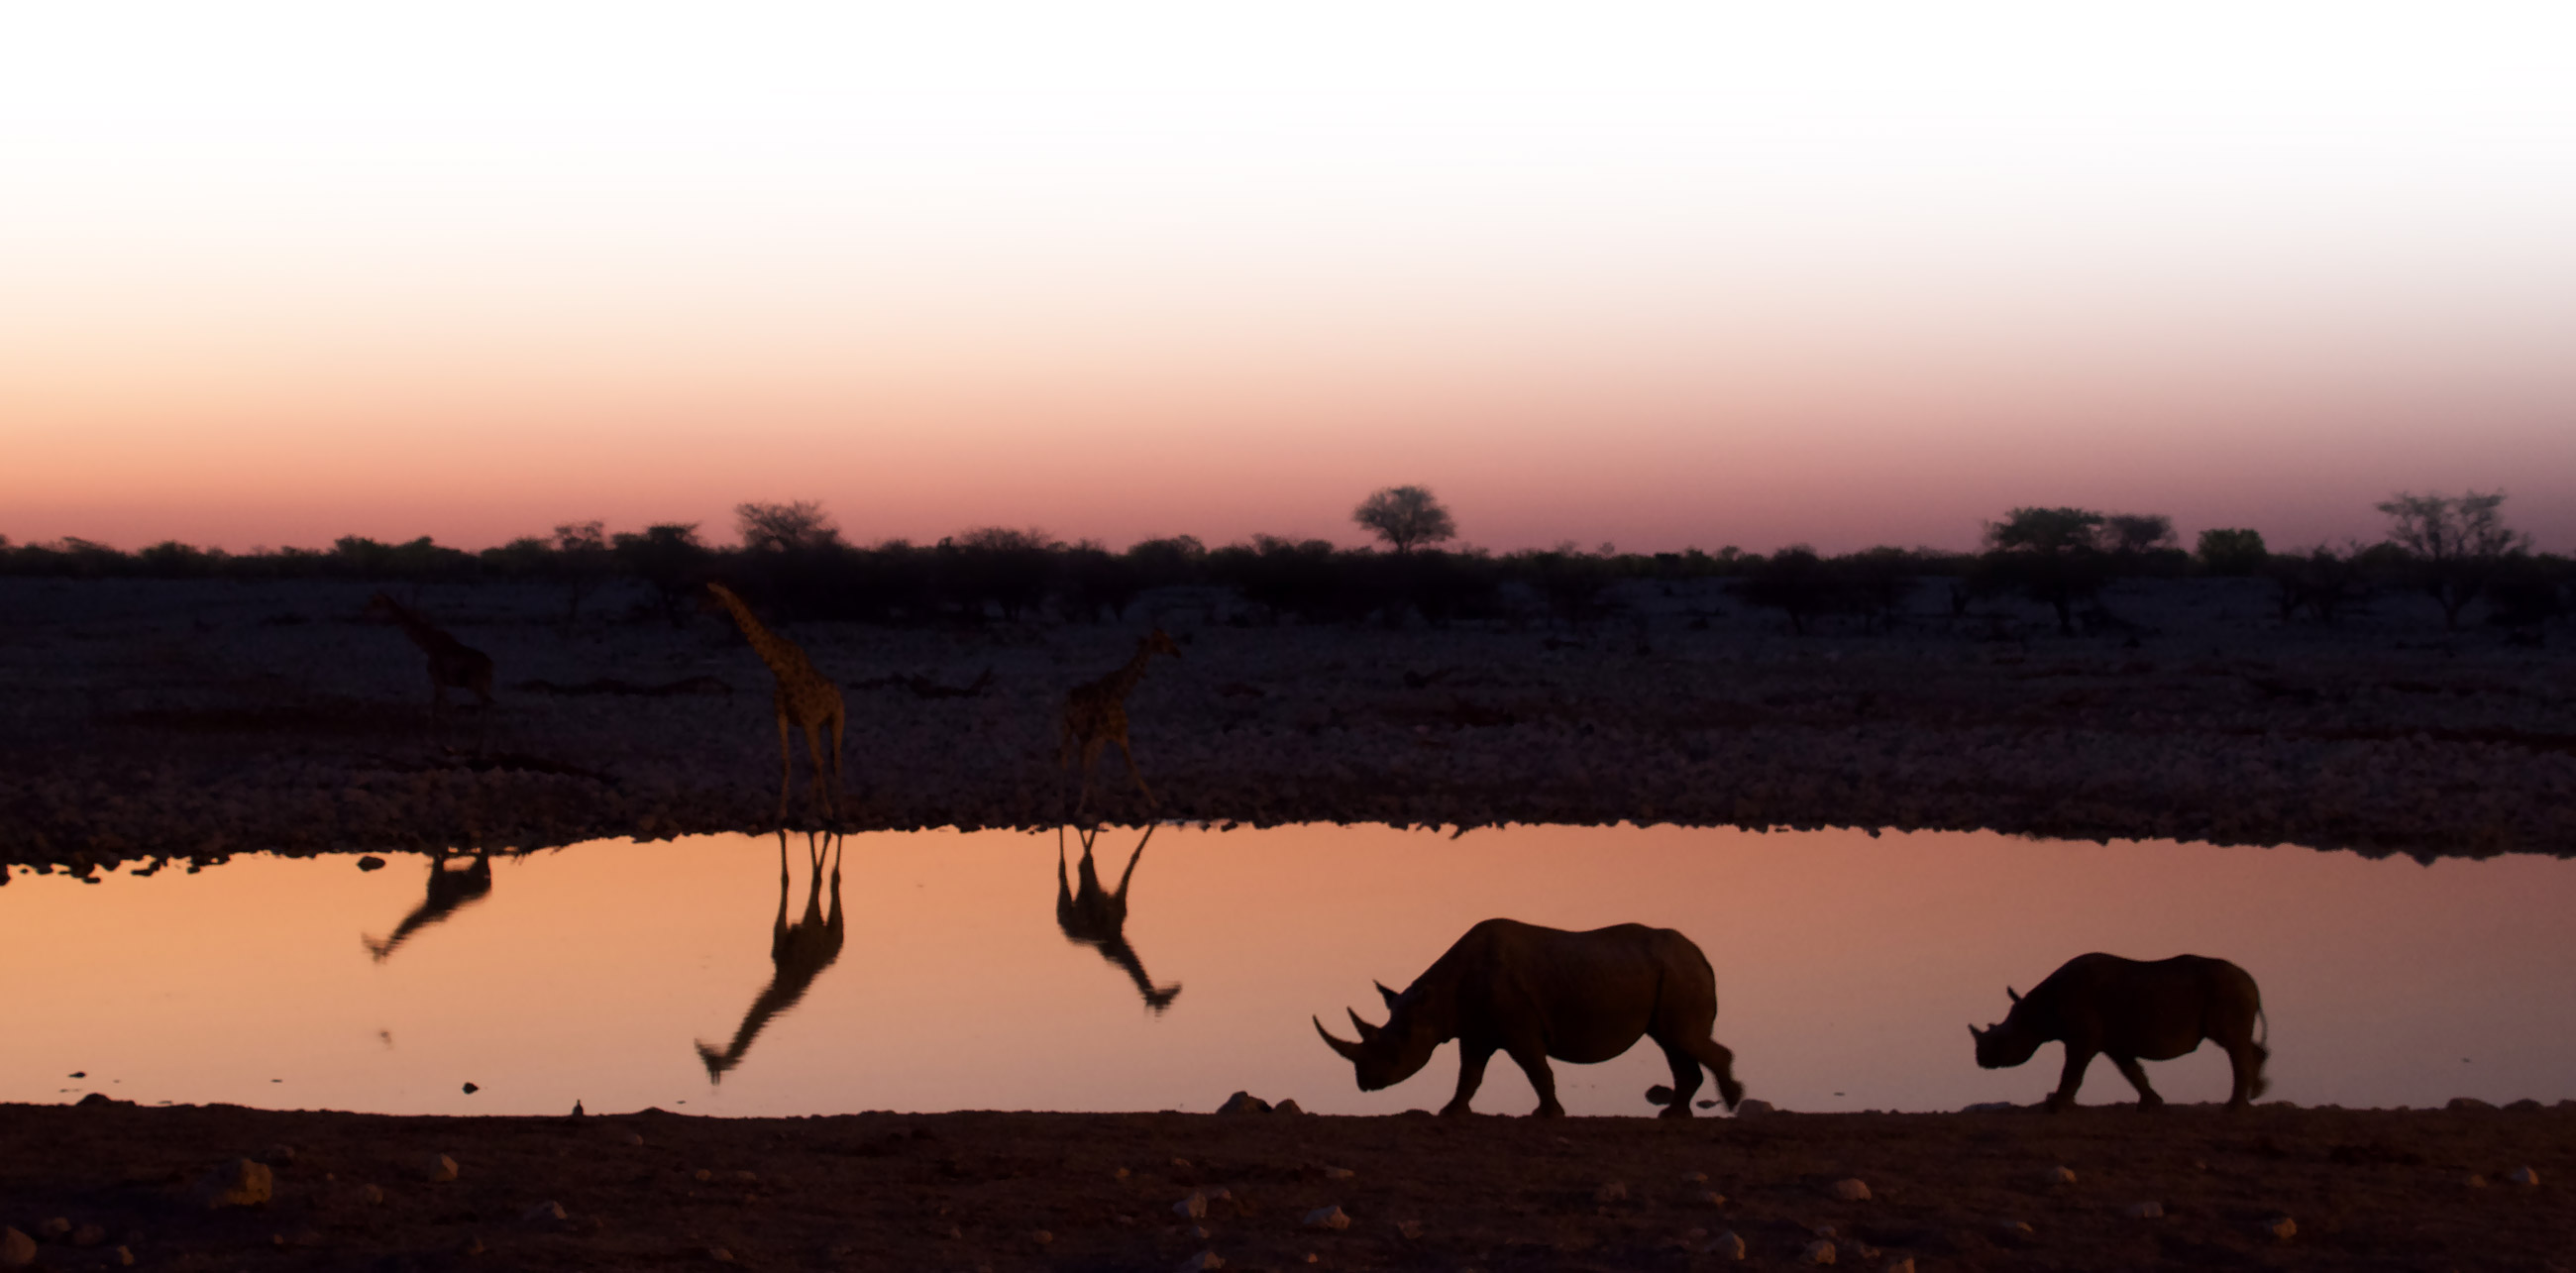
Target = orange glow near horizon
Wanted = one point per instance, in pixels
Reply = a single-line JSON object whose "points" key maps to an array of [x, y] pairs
{"points": [[1663, 279]]}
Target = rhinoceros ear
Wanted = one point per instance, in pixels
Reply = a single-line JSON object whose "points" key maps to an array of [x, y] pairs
{"points": [[2012, 994], [1367, 1031], [1386, 994], [1348, 1050]]}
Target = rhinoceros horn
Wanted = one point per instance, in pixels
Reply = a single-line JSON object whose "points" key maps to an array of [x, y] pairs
{"points": [[1975, 1033], [1386, 994], [1348, 1050], [1367, 1031]]}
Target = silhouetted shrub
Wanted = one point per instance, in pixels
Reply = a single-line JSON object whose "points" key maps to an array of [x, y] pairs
{"points": [[1097, 584], [1879, 582], [667, 556], [1447, 586], [1008, 568], [2458, 544], [2233, 553], [2051, 555], [171, 559], [1794, 581], [2320, 581], [1168, 562], [1571, 583], [1286, 577]]}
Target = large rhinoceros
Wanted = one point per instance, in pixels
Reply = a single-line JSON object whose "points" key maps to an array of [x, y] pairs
{"points": [[1535, 993], [2130, 1010]]}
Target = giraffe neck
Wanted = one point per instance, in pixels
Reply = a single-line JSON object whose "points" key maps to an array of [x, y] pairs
{"points": [[422, 633], [1120, 682], [781, 654]]}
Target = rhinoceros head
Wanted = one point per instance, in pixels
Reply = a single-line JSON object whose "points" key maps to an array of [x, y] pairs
{"points": [[1389, 1054], [2007, 1043]]}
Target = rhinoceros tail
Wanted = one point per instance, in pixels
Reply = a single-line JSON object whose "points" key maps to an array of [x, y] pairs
{"points": [[2262, 1057]]}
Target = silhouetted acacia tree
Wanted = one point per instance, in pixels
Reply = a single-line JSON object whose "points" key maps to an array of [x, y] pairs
{"points": [[2053, 555], [2231, 552], [2137, 533], [1406, 517], [785, 527], [1169, 561], [2457, 542], [582, 559], [668, 556]]}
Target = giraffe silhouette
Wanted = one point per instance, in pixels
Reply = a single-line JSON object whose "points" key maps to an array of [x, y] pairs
{"points": [[452, 663], [449, 892], [804, 697], [1095, 715], [799, 951], [1098, 919]]}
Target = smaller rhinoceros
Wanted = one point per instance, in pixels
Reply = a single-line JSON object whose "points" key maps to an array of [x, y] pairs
{"points": [[1535, 993], [2130, 1010]]}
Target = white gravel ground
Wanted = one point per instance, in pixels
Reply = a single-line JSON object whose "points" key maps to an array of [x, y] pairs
{"points": [[176, 719]]}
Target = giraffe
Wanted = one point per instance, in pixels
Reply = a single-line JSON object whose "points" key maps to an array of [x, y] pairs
{"points": [[804, 697], [1091, 917], [799, 952], [449, 891], [1095, 715], [452, 663]]}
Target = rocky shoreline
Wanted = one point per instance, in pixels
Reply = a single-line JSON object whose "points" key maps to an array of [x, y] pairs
{"points": [[142, 721]]}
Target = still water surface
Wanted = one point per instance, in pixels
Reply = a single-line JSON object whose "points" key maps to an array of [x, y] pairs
{"points": [[961, 975]]}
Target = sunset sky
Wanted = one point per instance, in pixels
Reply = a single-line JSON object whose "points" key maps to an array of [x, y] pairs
{"points": [[1655, 275]]}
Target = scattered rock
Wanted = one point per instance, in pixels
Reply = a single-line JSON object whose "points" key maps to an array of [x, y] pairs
{"points": [[438, 1169], [2058, 1175], [89, 1235], [1042, 1237], [1204, 1260], [1287, 1107], [122, 1256], [472, 1246], [371, 863], [2523, 1176], [1694, 1177], [1193, 1207], [1754, 1107], [17, 1250], [2468, 1102], [239, 1183], [1725, 1246], [2475, 1181], [1338, 1173], [54, 1230], [702, 1175], [2144, 1211], [1713, 1198], [1819, 1251], [1409, 1228], [1244, 1103], [1119, 1173], [2524, 1106], [2282, 1228], [2014, 1227], [280, 1156], [371, 1195], [1327, 1218], [1901, 1264], [1611, 1191], [1851, 1189], [635, 1140], [544, 1213]]}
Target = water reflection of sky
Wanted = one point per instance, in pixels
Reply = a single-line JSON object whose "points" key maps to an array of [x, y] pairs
{"points": [[1847, 967]]}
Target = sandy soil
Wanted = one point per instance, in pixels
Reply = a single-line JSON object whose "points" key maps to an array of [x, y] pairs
{"points": [[2362, 1190], [197, 719]]}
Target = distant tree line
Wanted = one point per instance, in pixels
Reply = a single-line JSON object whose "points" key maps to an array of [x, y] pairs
{"points": [[791, 560]]}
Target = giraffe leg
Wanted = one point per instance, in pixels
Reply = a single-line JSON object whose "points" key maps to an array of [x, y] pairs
{"points": [[783, 771], [1137, 774], [839, 720], [814, 749], [1090, 763]]}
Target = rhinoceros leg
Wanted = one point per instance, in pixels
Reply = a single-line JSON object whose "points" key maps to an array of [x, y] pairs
{"points": [[2078, 1058], [2137, 1076], [1533, 1062], [1677, 1103], [2246, 1060], [1471, 1075]]}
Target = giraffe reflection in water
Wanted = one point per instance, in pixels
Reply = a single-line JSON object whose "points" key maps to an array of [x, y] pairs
{"points": [[450, 890], [1091, 917], [799, 951]]}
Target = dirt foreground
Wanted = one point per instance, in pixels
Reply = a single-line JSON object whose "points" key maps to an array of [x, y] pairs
{"points": [[99, 1184]]}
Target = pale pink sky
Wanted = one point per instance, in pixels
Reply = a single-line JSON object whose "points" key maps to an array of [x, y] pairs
{"points": [[1654, 276]]}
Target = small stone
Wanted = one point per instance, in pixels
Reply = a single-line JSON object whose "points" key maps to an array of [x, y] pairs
{"points": [[1695, 1177], [2144, 1211], [54, 1230], [719, 1255], [239, 1183], [1203, 1261], [1338, 1173], [371, 863], [2468, 1103], [1819, 1251], [1119, 1173], [1851, 1189], [1193, 1207], [281, 1155], [89, 1235], [1180, 1164], [1042, 1237], [2475, 1181], [17, 1250], [1725, 1246], [2014, 1227], [544, 1213], [1754, 1107], [1287, 1107], [2523, 1176], [1901, 1264], [124, 1257], [1244, 1103], [1200, 1232], [470, 1247], [634, 1140], [438, 1169], [1611, 1191], [2524, 1106], [1328, 1218], [2058, 1175], [372, 1195], [1409, 1228], [702, 1175], [1713, 1198], [2281, 1227], [746, 1177]]}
